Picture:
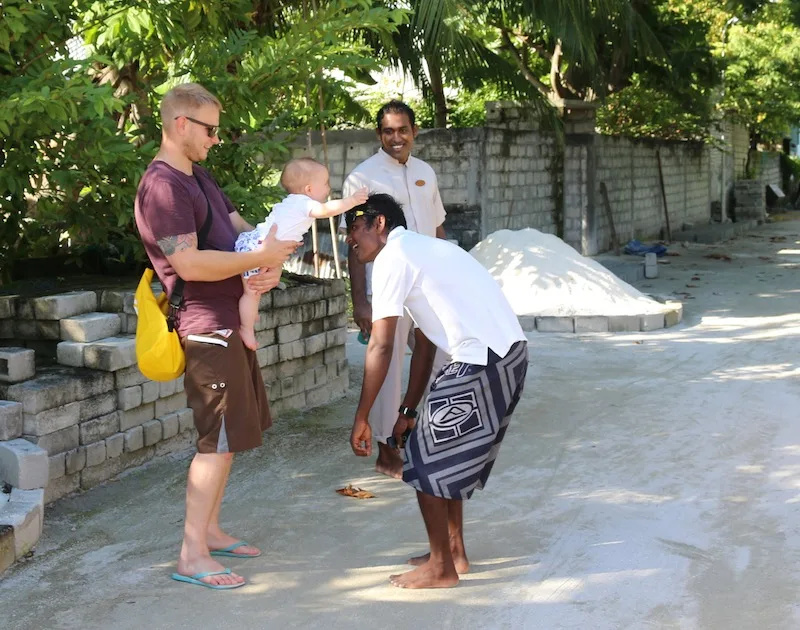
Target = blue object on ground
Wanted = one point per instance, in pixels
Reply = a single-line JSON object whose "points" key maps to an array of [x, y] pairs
{"points": [[637, 248]]}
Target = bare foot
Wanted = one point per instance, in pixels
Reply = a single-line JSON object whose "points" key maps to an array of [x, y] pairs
{"points": [[248, 336], [389, 462], [459, 560], [206, 565], [429, 575], [221, 540]]}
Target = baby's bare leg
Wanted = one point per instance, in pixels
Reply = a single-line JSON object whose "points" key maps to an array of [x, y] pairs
{"points": [[248, 315]]}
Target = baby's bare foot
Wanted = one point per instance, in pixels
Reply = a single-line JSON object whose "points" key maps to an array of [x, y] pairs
{"points": [[248, 336]]}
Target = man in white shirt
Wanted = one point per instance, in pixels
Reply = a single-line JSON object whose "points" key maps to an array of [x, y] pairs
{"points": [[451, 450], [412, 182]]}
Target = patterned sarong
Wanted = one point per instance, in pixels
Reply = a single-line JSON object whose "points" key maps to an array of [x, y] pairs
{"points": [[453, 446]]}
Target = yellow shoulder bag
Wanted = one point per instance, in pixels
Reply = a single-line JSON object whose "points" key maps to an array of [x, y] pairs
{"points": [[159, 352]]}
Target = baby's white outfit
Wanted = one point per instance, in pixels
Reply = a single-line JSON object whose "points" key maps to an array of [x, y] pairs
{"points": [[293, 218]]}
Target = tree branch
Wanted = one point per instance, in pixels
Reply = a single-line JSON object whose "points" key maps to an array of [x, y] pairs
{"points": [[526, 71]]}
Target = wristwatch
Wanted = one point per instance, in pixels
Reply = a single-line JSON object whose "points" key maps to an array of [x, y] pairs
{"points": [[408, 412]]}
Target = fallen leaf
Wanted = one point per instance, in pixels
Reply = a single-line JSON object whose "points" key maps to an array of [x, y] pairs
{"points": [[357, 493], [664, 262], [777, 239], [695, 277], [718, 256], [638, 342], [691, 286], [673, 254], [767, 258]]}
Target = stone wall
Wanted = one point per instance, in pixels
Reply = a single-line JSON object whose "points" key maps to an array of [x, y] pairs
{"points": [[511, 174], [93, 411], [629, 169]]}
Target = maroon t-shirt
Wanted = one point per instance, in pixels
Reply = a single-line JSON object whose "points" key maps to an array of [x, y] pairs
{"points": [[170, 202]]}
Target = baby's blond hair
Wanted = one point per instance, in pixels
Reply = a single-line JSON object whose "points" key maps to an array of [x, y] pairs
{"points": [[298, 172]]}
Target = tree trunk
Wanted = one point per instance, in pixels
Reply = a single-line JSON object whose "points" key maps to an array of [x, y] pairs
{"points": [[437, 88]]}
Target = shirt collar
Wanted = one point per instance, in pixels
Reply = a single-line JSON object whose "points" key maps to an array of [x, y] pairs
{"points": [[388, 159], [396, 233]]}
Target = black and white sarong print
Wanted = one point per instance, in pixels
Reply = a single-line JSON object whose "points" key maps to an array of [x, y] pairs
{"points": [[452, 448]]}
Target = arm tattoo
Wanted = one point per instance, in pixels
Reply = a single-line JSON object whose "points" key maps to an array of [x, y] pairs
{"points": [[174, 244]]}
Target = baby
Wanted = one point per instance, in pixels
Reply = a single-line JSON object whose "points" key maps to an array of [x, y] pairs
{"points": [[308, 185]]}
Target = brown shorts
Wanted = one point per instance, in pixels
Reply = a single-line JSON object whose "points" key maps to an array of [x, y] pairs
{"points": [[225, 390]]}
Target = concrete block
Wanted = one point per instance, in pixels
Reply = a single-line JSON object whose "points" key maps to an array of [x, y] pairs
{"points": [[548, 324], [23, 465], [90, 327], [64, 305], [651, 321], [173, 403], [97, 406], [58, 441], [16, 364], [152, 432], [95, 453], [115, 445], [76, 460], [150, 391], [8, 306], [673, 317], [623, 323], [591, 324], [337, 304], [266, 337], [10, 420], [282, 299], [298, 401], [127, 377], [25, 329], [332, 355], [61, 487], [292, 385], [58, 386], [24, 308], [134, 439], [527, 322], [290, 368], [313, 327], [48, 330], [25, 513], [111, 354], [129, 398], [265, 301], [56, 467], [6, 328], [293, 350], [316, 343], [179, 383], [333, 322], [337, 337], [99, 428], [185, 420], [289, 333], [166, 388], [170, 425], [120, 301], [51, 420], [137, 416]]}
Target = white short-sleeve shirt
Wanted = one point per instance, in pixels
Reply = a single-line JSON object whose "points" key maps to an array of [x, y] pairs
{"points": [[449, 295], [413, 185], [292, 216]]}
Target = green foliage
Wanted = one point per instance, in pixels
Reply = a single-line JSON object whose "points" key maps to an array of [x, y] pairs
{"points": [[75, 136], [762, 75]]}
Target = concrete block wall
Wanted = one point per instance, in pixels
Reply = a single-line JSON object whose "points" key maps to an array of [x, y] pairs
{"points": [[771, 169], [629, 169], [95, 414]]}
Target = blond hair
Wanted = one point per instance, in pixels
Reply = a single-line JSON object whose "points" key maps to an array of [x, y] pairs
{"points": [[298, 172], [184, 99]]}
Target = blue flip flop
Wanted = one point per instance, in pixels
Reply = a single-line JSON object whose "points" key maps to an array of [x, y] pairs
{"points": [[197, 577], [229, 553]]}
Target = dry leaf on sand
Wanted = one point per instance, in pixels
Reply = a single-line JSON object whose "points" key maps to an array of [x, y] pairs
{"points": [[351, 491]]}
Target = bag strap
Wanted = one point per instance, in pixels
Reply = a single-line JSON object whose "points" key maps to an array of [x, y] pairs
{"points": [[176, 299]]}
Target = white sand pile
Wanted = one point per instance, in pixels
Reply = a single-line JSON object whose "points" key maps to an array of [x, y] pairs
{"points": [[541, 275]]}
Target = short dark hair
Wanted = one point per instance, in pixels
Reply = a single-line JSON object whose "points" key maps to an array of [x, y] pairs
{"points": [[378, 204], [395, 107]]}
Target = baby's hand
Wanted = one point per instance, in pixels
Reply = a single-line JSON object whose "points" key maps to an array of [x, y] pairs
{"points": [[360, 196]]}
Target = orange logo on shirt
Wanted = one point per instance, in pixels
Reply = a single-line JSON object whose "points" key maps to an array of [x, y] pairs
{"points": [[420, 182]]}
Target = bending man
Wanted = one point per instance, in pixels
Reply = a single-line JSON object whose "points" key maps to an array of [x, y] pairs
{"points": [[458, 307]]}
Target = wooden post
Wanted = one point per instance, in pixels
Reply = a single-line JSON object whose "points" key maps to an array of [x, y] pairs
{"points": [[610, 217], [663, 194]]}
